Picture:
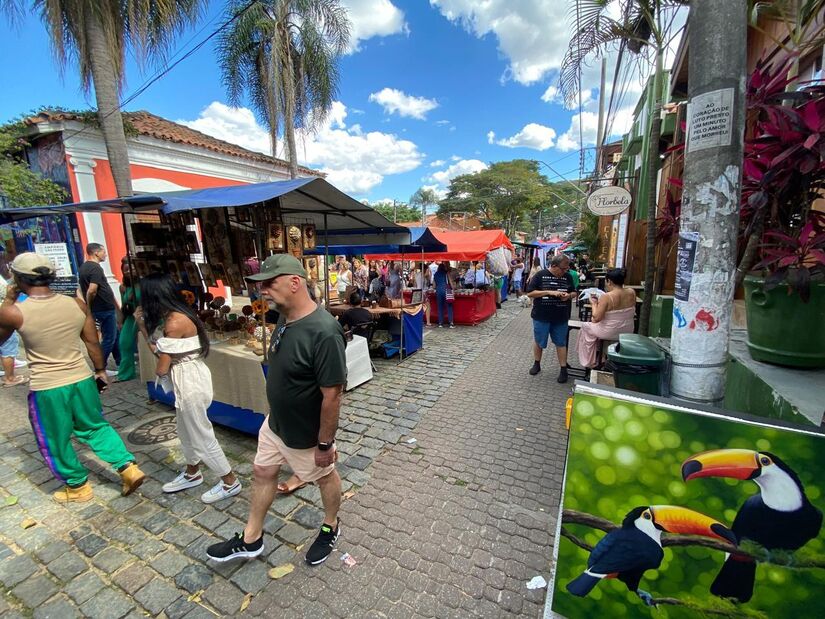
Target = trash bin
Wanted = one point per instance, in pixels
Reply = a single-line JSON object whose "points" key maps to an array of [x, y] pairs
{"points": [[637, 363]]}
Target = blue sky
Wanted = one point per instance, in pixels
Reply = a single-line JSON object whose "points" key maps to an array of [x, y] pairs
{"points": [[430, 90]]}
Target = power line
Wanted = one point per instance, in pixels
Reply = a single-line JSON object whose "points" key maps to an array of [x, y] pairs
{"points": [[162, 73]]}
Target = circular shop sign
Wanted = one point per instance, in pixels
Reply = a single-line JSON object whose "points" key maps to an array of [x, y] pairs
{"points": [[609, 201]]}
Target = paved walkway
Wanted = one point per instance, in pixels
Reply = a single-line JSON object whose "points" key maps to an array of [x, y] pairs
{"points": [[453, 524]]}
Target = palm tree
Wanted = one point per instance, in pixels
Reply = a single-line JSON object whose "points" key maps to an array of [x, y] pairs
{"points": [[96, 35], [644, 27], [283, 54], [423, 198]]}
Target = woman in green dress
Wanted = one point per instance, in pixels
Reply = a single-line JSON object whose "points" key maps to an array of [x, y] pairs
{"points": [[130, 299]]}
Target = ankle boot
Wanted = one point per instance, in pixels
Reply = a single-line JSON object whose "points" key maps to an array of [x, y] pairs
{"points": [[132, 477], [67, 494]]}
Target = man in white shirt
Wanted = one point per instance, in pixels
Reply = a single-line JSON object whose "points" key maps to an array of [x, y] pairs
{"points": [[518, 272], [433, 269], [482, 280]]}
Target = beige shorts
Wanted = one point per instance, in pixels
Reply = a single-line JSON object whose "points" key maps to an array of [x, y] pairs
{"points": [[273, 452]]}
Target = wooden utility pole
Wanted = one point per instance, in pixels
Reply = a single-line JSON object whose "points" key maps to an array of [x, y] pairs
{"points": [[706, 258]]}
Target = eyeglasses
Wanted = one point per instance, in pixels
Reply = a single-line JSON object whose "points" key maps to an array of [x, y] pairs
{"points": [[276, 341]]}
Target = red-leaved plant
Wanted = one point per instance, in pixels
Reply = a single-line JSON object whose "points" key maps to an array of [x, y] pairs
{"points": [[783, 175]]}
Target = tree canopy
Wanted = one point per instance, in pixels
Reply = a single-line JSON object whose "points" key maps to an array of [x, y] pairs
{"points": [[400, 212], [511, 195]]}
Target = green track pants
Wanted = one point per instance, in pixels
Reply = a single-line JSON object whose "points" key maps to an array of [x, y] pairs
{"points": [[57, 414]]}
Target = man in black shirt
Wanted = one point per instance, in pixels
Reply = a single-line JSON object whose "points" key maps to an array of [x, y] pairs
{"points": [[305, 379], [356, 316], [551, 290], [98, 295]]}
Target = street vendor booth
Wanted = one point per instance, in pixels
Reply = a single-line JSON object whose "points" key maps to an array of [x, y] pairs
{"points": [[470, 307], [406, 321], [220, 235]]}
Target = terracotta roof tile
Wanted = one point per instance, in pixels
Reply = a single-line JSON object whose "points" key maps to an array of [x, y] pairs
{"points": [[162, 129]]}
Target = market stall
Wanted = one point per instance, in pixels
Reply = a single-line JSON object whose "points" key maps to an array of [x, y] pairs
{"points": [[470, 307], [206, 236]]}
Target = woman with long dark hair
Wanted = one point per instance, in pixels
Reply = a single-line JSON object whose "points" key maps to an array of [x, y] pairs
{"points": [[178, 338]]}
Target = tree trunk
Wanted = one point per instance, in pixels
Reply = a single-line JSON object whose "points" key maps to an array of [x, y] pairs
{"points": [[107, 91], [749, 255], [652, 196], [289, 109]]}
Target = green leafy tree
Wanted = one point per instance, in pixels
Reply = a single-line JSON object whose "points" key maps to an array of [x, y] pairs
{"points": [[18, 184], [423, 198], [398, 212], [96, 35], [505, 195], [645, 28], [283, 54]]}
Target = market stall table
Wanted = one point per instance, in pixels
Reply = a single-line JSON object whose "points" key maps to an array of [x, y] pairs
{"points": [[412, 318], [239, 382], [469, 308]]}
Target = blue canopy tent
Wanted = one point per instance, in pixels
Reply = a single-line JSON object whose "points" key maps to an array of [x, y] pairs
{"points": [[411, 335]]}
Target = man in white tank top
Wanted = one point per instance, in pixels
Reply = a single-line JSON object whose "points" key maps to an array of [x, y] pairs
{"points": [[64, 399]]}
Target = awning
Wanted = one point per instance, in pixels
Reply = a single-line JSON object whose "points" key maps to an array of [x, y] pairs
{"points": [[422, 240], [462, 246], [302, 200]]}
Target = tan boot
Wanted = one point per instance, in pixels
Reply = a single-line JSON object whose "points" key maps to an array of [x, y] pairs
{"points": [[132, 477], [67, 494]]}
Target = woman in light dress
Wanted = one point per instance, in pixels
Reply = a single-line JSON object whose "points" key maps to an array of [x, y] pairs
{"points": [[613, 315], [179, 340]]}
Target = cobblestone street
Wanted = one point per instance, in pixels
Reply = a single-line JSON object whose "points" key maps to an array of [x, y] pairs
{"points": [[453, 524]]}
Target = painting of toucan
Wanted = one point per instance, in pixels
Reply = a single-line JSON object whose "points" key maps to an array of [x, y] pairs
{"points": [[779, 516], [627, 552]]}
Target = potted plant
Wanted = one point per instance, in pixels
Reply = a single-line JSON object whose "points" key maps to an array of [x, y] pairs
{"points": [[784, 252]]}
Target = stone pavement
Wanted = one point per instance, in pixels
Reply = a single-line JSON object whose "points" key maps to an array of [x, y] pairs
{"points": [[453, 524]]}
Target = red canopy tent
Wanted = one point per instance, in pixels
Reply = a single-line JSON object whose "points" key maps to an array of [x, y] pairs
{"points": [[472, 245]]}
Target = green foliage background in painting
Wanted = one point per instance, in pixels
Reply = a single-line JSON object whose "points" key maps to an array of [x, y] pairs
{"points": [[623, 455]]}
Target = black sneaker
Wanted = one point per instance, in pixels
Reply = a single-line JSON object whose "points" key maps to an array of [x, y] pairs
{"points": [[235, 548], [562, 375], [323, 544], [535, 369]]}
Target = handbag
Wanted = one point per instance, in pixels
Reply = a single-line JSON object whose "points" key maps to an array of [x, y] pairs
{"points": [[450, 295]]}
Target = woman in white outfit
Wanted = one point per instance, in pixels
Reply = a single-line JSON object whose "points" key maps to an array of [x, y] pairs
{"points": [[179, 340]]}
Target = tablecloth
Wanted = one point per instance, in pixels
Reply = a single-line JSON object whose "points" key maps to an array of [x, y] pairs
{"points": [[469, 309]]}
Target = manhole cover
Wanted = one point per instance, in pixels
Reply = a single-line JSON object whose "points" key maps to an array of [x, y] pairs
{"points": [[158, 430]]}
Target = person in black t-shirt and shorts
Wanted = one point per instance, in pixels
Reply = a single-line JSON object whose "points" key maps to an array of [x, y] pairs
{"points": [[551, 291], [305, 380]]}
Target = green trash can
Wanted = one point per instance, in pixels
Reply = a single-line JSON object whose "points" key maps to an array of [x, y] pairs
{"points": [[638, 364]]}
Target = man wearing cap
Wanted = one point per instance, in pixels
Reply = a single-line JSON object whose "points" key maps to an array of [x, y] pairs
{"points": [[64, 399], [305, 379]]}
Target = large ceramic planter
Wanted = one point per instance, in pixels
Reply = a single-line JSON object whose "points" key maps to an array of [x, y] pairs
{"points": [[781, 328]]}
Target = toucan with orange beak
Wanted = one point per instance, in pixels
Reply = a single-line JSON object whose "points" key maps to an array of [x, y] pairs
{"points": [[779, 516], [627, 552]]}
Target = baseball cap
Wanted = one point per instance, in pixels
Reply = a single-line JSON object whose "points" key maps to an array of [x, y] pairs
{"points": [[30, 263], [278, 264]]}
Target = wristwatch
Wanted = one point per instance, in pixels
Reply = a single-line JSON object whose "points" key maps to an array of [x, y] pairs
{"points": [[326, 446]]}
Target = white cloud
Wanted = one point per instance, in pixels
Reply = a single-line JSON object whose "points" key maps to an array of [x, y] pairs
{"points": [[440, 192], [394, 101], [354, 160], [437, 163], [455, 158], [463, 166], [589, 122], [532, 135], [553, 95], [491, 137], [373, 18], [442, 122]]}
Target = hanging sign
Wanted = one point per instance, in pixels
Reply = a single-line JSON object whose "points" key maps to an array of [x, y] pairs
{"points": [[58, 254], [685, 259], [710, 120], [609, 201]]}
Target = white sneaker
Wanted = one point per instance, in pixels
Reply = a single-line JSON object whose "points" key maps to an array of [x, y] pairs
{"points": [[220, 492], [182, 482]]}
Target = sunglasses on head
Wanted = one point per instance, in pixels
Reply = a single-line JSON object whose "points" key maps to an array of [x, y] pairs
{"points": [[276, 341]]}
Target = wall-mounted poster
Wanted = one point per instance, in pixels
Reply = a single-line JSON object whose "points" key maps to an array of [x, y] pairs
{"points": [[309, 236], [208, 275], [687, 509], [191, 243], [192, 274], [242, 214], [141, 268], [294, 242], [235, 281], [155, 266], [215, 236], [275, 238], [175, 271], [219, 271]]}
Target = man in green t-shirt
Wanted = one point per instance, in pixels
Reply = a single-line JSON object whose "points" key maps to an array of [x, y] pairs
{"points": [[305, 379]]}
